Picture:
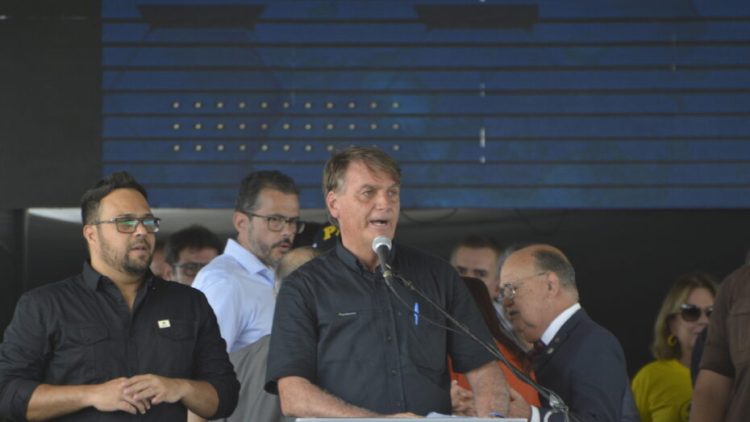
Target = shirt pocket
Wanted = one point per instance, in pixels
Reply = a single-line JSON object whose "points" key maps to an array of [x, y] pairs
{"points": [[348, 336], [177, 341], [426, 342], [738, 324], [83, 351]]}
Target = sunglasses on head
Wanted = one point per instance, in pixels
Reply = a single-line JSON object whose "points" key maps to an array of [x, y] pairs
{"points": [[691, 313]]}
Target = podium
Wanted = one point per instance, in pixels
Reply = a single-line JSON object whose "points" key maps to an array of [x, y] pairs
{"points": [[428, 419]]}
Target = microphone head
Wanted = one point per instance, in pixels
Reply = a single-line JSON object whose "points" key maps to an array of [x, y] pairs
{"points": [[381, 241]]}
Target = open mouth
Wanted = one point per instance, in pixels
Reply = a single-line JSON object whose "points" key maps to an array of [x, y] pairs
{"points": [[139, 248], [379, 223], [284, 245]]}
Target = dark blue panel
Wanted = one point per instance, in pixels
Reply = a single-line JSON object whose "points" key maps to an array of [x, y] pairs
{"points": [[398, 34], [318, 105], [373, 9], [538, 198], [489, 176], [434, 80], [623, 126], [578, 198], [420, 57], [456, 150]]}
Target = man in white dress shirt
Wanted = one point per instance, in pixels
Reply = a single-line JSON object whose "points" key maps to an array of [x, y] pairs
{"points": [[239, 283]]}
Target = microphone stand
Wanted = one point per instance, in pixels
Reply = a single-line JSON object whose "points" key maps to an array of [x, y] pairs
{"points": [[556, 403]]}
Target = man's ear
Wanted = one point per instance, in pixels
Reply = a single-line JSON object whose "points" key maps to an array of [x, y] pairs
{"points": [[332, 204], [90, 234], [167, 273], [240, 221], [553, 283]]}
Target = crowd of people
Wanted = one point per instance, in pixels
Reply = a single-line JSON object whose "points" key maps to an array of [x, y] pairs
{"points": [[256, 329]]}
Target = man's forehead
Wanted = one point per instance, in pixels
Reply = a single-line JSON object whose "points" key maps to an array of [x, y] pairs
{"points": [[269, 198], [363, 174], [485, 257], [124, 202], [516, 264], [192, 251], [480, 251]]}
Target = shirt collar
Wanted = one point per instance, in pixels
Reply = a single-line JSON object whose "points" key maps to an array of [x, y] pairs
{"points": [[92, 278], [353, 263], [248, 260], [558, 322]]}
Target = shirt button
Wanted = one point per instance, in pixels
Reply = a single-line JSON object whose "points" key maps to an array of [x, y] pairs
{"points": [[394, 372], [388, 338]]}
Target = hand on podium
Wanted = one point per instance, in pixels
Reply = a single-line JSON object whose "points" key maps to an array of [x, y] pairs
{"points": [[405, 415], [518, 406], [462, 400]]}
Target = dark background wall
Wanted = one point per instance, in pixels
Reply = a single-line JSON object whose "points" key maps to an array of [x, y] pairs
{"points": [[50, 130], [627, 148]]}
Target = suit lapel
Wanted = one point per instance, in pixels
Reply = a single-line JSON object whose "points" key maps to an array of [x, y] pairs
{"points": [[563, 334]]}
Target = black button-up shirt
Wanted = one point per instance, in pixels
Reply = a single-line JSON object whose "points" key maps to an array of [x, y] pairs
{"points": [[337, 325], [80, 331]]}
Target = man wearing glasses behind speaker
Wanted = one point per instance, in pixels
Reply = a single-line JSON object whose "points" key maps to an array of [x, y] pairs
{"points": [[115, 338], [187, 251], [239, 283]]}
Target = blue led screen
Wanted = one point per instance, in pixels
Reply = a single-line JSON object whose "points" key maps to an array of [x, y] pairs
{"points": [[546, 104]]}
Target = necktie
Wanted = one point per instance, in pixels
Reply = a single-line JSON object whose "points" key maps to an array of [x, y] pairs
{"points": [[538, 348]]}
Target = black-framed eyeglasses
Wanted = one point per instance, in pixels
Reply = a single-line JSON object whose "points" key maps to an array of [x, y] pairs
{"points": [[692, 313], [276, 223], [508, 290], [190, 269], [130, 224]]}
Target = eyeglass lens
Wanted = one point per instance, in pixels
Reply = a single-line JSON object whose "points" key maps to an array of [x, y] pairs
{"points": [[190, 269], [277, 223], [129, 225], [692, 313]]}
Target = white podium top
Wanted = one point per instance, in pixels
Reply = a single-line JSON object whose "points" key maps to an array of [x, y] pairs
{"points": [[431, 419]]}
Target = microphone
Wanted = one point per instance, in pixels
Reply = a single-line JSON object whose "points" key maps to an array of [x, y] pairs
{"points": [[381, 245]]}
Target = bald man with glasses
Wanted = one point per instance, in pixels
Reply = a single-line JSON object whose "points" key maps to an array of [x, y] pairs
{"points": [[573, 356]]}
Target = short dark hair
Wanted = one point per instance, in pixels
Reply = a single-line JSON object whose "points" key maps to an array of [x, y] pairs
{"points": [[555, 262], [373, 158], [475, 241], [193, 237], [253, 183], [93, 197]]}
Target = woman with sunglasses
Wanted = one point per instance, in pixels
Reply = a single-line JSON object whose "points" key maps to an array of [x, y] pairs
{"points": [[662, 389]]}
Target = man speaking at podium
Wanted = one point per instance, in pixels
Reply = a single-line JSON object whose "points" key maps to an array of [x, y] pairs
{"points": [[343, 345]]}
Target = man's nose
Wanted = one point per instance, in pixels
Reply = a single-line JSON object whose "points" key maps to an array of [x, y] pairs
{"points": [[383, 199], [140, 229], [289, 230]]}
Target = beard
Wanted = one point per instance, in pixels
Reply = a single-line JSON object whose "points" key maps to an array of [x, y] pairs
{"points": [[264, 251], [123, 263]]}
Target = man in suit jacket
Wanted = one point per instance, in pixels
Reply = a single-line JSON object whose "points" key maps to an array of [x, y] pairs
{"points": [[578, 359]]}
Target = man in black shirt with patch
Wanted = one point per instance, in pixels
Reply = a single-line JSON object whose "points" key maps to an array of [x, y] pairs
{"points": [[115, 341], [343, 345]]}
